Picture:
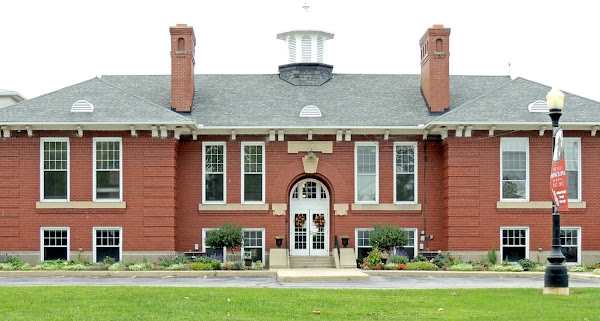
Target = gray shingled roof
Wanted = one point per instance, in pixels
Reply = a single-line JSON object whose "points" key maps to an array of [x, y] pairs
{"points": [[111, 105], [508, 104], [346, 101]]}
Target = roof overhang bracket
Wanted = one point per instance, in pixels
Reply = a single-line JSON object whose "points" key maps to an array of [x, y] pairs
{"points": [[386, 135], [542, 130], [163, 131], [233, 137], [29, 131], [79, 131], [491, 131], [459, 131], [348, 136], [5, 131], [309, 137], [594, 130], [154, 131], [280, 136], [133, 132], [468, 131], [338, 136], [272, 135]]}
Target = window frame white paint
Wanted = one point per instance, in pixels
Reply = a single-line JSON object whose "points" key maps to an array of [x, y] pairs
{"points": [[94, 246], [251, 229], [204, 246], [527, 240], [578, 228], [51, 228], [243, 172], [356, 247], [415, 174], [416, 240], [224, 144], [527, 177], [356, 146], [95, 169], [42, 170], [579, 185]]}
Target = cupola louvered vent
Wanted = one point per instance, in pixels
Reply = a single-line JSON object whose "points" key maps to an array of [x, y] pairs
{"points": [[306, 46], [310, 111], [292, 48], [320, 43], [538, 106], [82, 106]]}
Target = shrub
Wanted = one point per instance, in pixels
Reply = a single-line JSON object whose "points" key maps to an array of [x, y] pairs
{"points": [[7, 267], [75, 267], [461, 267], [492, 257], [443, 259], [385, 237], [108, 261], [144, 266], [172, 259], [398, 259], [528, 265], [373, 259], [238, 265], [227, 235], [214, 263], [577, 268], [390, 266], [421, 266], [257, 265], [10, 259], [117, 267], [201, 266], [176, 267], [506, 268], [596, 271], [420, 258]]}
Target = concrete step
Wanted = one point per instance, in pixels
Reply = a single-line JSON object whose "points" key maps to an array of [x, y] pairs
{"points": [[298, 275], [299, 262]]}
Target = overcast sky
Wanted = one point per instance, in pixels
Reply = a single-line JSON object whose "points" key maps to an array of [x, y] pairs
{"points": [[48, 45]]}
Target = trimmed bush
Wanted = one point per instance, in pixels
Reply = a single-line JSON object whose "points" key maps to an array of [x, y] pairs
{"points": [[426, 266], [201, 266], [144, 266], [398, 259], [462, 267], [528, 265], [117, 267], [506, 268], [386, 237], [577, 268], [596, 271]]}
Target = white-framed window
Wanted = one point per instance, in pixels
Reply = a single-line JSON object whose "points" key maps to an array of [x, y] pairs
{"points": [[362, 244], [253, 172], [570, 244], [514, 243], [572, 149], [405, 172], [54, 168], [214, 182], [219, 254], [108, 174], [254, 244], [366, 172], [108, 242], [514, 169], [54, 243]]}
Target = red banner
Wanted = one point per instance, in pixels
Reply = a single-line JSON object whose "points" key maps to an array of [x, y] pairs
{"points": [[558, 175]]}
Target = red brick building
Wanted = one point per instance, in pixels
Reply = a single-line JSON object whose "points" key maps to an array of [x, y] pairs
{"points": [[137, 167]]}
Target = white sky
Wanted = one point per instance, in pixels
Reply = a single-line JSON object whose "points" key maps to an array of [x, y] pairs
{"points": [[48, 45]]}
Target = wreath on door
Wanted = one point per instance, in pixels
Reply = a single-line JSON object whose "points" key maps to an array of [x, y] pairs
{"points": [[299, 220], [319, 220]]}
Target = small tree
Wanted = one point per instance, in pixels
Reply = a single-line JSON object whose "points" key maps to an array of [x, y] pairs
{"points": [[227, 236], [385, 237]]}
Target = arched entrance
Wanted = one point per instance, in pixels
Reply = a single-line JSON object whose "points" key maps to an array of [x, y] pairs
{"points": [[309, 218]]}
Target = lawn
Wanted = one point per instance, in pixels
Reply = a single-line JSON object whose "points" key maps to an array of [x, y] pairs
{"points": [[166, 303]]}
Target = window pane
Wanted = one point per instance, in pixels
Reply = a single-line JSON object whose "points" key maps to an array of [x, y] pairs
{"points": [[55, 185], [107, 184], [366, 159], [55, 253], [214, 187], [405, 187], [572, 184], [103, 252], [513, 189], [366, 188], [514, 254], [253, 187], [570, 253]]}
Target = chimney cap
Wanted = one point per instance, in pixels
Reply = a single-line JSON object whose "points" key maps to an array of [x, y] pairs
{"points": [[182, 25], [438, 27]]}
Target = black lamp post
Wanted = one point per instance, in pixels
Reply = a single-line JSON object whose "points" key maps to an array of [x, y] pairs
{"points": [[556, 279]]}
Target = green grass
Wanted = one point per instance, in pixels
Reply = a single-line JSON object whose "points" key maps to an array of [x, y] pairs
{"points": [[167, 303]]}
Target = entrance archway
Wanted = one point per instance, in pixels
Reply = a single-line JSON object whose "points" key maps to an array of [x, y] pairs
{"points": [[309, 218]]}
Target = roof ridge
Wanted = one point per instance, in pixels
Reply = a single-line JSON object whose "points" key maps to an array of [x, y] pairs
{"points": [[474, 99], [145, 100]]}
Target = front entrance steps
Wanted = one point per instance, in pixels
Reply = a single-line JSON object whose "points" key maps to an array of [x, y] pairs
{"points": [[299, 275], [314, 262]]}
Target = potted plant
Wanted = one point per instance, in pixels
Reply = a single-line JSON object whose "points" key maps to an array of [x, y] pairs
{"points": [[227, 236], [345, 239], [279, 241], [386, 237]]}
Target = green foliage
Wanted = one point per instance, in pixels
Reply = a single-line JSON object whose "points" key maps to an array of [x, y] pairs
{"points": [[506, 268], [176, 267], [577, 268], [227, 235], [257, 265], [398, 259], [527, 264], [420, 258], [492, 257], [214, 263], [390, 266], [201, 266], [461, 267], [75, 267], [426, 266], [385, 237], [11, 259], [144, 266], [443, 259], [373, 259], [596, 271], [119, 266], [173, 259], [238, 265], [108, 261]]}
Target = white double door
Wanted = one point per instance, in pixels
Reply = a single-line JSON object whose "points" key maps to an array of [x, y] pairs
{"points": [[309, 219]]}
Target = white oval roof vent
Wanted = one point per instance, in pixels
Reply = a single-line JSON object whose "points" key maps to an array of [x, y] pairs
{"points": [[82, 106], [310, 111], [538, 106]]}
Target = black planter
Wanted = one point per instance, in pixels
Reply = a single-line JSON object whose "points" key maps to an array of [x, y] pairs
{"points": [[248, 262], [279, 242], [345, 242]]}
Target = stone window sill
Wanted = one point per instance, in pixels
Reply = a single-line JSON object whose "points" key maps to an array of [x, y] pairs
{"points": [[233, 207], [386, 207], [537, 205], [79, 205]]}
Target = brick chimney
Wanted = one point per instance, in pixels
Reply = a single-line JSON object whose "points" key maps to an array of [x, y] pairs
{"points": [[183, 43], [435, 68]]}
